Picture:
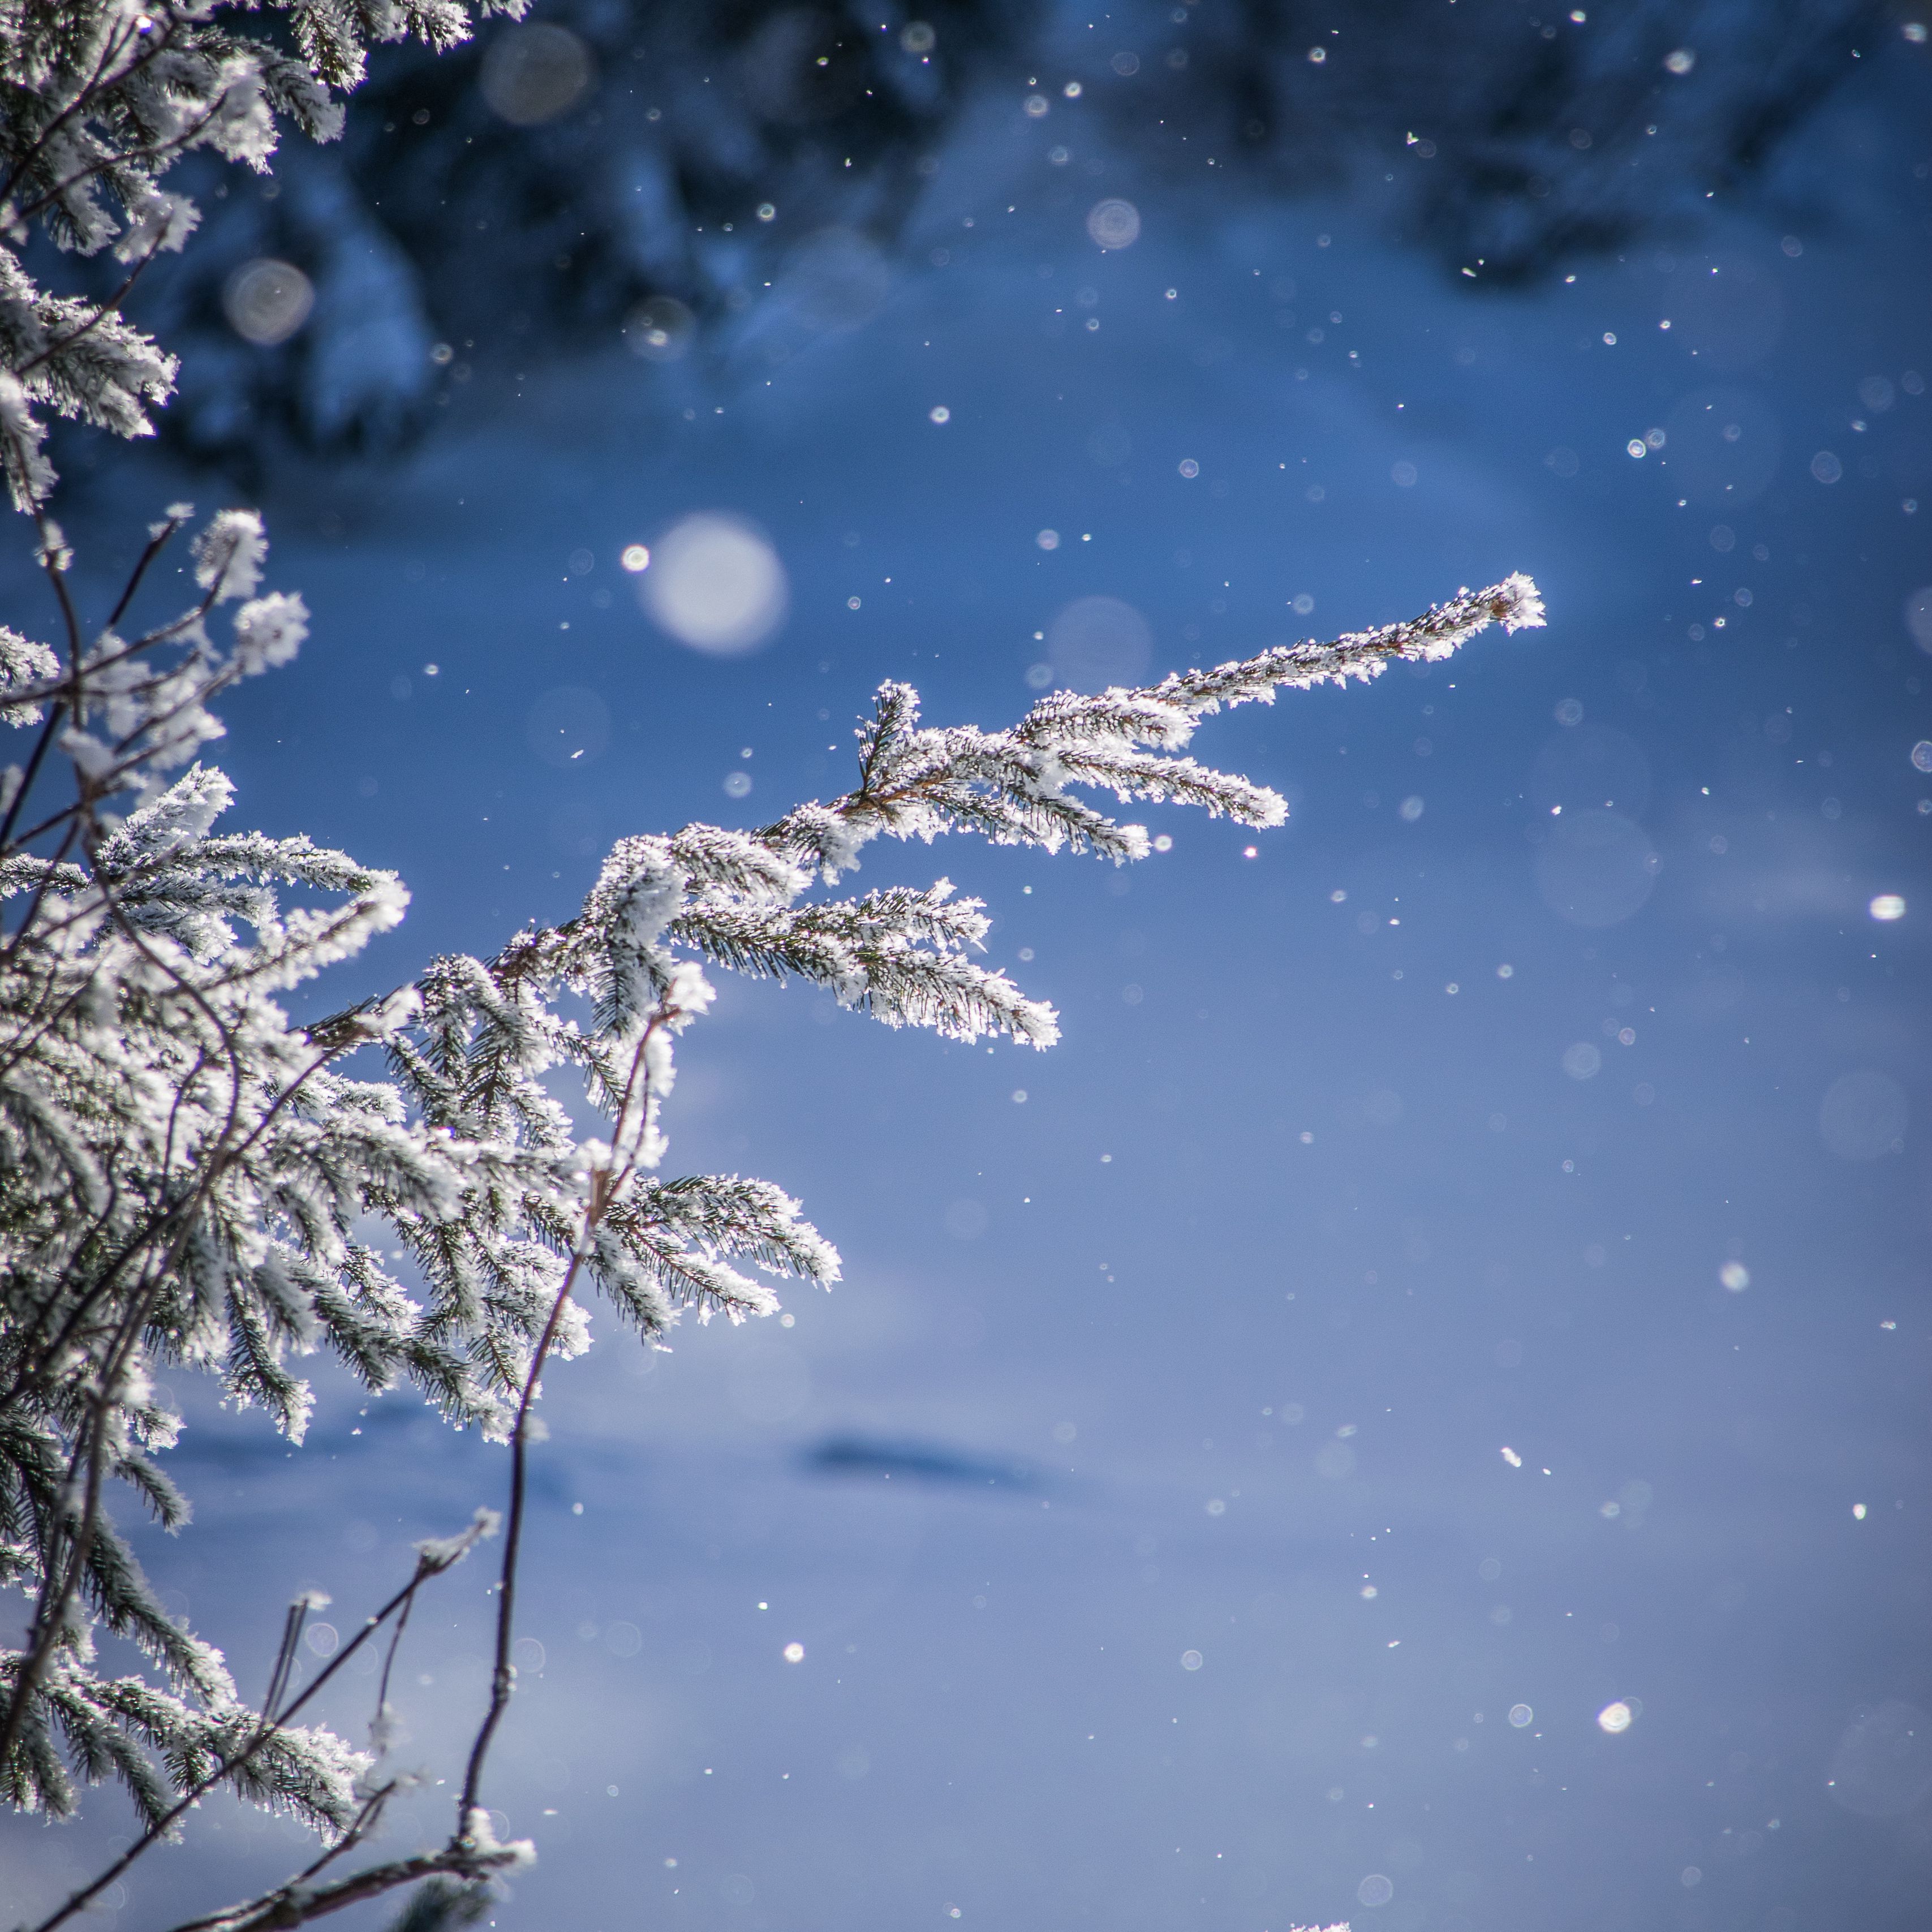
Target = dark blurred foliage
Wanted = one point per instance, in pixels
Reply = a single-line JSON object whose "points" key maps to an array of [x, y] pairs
{"points": [[656, 169], [1520, 135], [528, 193]]}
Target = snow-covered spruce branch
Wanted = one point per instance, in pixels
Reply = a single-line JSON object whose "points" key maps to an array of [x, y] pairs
{"points": [[98, 102], [188, 1179], [151, 1133]]}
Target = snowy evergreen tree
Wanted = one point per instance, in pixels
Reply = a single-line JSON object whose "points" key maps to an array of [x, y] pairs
{"points": [[189, 1179]]}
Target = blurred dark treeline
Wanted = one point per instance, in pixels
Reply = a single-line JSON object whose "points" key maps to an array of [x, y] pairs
{"points": [[670, 172]]}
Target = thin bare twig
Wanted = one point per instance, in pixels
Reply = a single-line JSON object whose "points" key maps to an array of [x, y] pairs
{"points": [[289, 1907], [270, 1722], [605, 1188]]}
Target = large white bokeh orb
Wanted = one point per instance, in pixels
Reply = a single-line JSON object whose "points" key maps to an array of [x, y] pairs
{"points": [[715, 583]]}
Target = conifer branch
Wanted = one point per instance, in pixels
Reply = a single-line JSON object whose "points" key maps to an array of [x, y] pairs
{"points": [[224, 1159]]}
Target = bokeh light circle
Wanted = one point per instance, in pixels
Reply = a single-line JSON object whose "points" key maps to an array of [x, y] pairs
{"points": [[267, 300], [716, 584], [1099, 641], [659, 330], [1863, 1115], [1595, 868], [1114, 223], [533, 71]]}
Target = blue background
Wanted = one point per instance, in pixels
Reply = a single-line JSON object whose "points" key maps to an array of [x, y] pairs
{"points": [[1304, 1223]]}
